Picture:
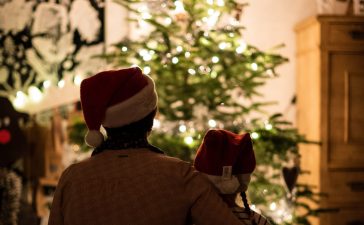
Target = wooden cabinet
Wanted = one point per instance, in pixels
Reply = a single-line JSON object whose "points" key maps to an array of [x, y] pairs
{"points": [[330, 109]]}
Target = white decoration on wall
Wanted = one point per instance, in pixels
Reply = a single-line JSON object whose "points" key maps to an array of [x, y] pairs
{"points": [[20, 13], [84, 18]]}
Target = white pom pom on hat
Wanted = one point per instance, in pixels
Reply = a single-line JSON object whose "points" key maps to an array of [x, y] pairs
{"points": [[115, 98], [94, 138]]}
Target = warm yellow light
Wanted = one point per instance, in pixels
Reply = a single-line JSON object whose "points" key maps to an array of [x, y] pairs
{"points": [[156, 124], [212, 123], [273, 206], [268, 126], [191, 71], [35, 94], [188, 140], [46, 84], [20, 100], [77, 80], [146, 70], [182, 128], [215, 59], [175, 60], [61, 83], [255, 135], [254, 66]]}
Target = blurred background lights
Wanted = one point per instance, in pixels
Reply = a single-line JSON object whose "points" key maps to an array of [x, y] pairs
{"points": [[35, 94], [61, 83], [188, 140], [191, 71], [212, 123], [77, 80], [146, 70], [156, 124], [255, 135], [182, 128], [20, 100], [175, 60], [46, 84], [215, 59]]}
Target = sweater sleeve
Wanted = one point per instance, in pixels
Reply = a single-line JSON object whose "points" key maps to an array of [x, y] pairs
{"points": [[207, 208], [56, 214]]}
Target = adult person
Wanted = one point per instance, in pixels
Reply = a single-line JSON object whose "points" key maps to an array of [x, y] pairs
{"points": [[127, 181]]}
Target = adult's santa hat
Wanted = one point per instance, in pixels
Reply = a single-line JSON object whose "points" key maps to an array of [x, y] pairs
{"points": [[115, 98], [227, 158]]}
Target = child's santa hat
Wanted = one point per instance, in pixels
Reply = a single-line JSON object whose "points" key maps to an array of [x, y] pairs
{"points": [[115, 98], [228, 160]]}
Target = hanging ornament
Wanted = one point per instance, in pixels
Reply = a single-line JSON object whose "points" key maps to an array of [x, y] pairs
{"points": [[290, 175]]}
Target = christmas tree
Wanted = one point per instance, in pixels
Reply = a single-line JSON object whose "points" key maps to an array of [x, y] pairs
{"points": [[207, 76]]}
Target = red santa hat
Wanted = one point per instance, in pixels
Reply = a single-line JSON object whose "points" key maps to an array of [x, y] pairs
{"points": [[115, 98], [227, 158]]}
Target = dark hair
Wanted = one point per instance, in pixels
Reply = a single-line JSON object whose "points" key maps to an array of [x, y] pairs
{"points": [[246, 206], [141, 126]]}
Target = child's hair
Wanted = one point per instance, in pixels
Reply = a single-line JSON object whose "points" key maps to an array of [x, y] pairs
{"points": [[246, 206]]}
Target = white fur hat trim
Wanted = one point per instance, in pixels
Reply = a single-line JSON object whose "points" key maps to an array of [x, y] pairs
{"points": [[133, 109], [233, 185]]}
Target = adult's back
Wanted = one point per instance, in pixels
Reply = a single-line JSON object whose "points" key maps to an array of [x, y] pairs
{"points": [[136, 187]]}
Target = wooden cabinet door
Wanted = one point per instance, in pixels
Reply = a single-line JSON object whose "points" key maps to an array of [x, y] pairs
{"points": [[346, 110]]}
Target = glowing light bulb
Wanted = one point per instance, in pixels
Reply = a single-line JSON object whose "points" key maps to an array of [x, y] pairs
{"points": [[220, 2], [175, 60], [46, 84], [35, 94], [242, 47], [215, 59], [188, 140], [273, 206], [191, 71], [254, 66], [182, 128], [210, 11], [167, 21], [210, 2], [222, 45], [124, 49], [268, 126], [77, 80], [20, 100], [255, 135], [61, 83], [270, 72], [187, 54], [179, 7], [156, 124], [146, 70], [143, 52], [212, 123], [147, 57]]}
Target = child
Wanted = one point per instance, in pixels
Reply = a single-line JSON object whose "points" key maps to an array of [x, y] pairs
{"points": [[228, 160]]}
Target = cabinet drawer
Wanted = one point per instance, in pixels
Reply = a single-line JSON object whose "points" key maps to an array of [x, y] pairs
{"points": [[345, 188], [346, 33], [345, 216]]}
